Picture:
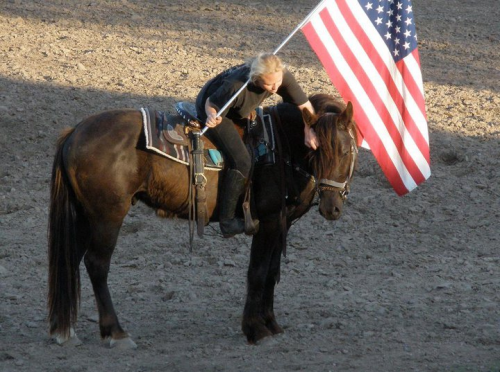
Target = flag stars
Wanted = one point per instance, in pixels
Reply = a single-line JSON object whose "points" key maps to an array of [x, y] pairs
{"points": [[394, 21]]}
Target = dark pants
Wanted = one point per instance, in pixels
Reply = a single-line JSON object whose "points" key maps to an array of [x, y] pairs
{"points": [[228, 140]]}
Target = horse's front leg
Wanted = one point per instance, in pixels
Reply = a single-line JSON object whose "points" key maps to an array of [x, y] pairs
{"points": [[258, 316], [273, 278]]}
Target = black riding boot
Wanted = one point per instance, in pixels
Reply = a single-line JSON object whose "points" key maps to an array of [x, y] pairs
{"points": [[234, 185]]}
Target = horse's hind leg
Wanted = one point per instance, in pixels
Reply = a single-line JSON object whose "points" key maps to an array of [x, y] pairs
{"points": [[97, 261]]}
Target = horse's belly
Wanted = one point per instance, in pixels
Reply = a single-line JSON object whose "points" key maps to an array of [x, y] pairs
{"points": [[168, 188]]}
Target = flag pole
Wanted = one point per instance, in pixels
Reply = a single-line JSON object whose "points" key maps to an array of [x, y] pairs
{"points": [[301, 24], [287, 39]]}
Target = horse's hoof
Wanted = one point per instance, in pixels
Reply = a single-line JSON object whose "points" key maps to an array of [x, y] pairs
{"points": [[254, 338], [275, 328], [267, 341], [72, 340], [123, 344]]}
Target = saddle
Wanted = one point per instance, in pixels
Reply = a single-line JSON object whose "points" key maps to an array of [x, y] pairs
{"points": [[177, 137], [167, 135]]}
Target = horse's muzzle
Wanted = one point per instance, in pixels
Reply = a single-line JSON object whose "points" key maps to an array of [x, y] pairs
{"points": [[331, 214]]}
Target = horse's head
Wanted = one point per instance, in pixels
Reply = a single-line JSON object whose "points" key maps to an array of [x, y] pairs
{"points": [[334, 161]]}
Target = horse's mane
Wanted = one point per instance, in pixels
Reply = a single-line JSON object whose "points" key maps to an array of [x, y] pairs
{"points": [[324, 103], [326, 128]]}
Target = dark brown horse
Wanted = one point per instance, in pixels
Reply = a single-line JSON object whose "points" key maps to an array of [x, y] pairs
{"points": [[101, 168]]}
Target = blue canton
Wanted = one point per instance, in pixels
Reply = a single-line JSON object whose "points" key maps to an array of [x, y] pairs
{"points": [[394, 21]]}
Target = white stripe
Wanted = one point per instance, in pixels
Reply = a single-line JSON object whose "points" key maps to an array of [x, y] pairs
{"points": [[361, 95], [145, 126]]}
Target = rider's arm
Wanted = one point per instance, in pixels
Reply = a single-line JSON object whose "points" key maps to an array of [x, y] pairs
{"points": [[310, 138], [308, 106], [212, 119]]}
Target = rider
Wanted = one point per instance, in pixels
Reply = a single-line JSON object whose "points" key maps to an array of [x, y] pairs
{"points": [[267, 76]]}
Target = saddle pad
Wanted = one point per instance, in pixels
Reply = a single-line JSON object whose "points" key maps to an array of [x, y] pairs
{"points": [[168, 139]]}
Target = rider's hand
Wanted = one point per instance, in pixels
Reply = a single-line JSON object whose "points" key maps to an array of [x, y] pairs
{"points": [[310, 138], [213, 120]]}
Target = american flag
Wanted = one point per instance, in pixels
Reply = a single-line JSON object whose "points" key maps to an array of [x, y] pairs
{"points": [[369, 50]]}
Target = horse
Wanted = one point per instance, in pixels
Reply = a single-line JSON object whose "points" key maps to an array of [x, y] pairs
{"points": [[101, 168]]}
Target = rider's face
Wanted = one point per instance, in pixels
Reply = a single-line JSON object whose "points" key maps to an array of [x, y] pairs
{"points": [[271, 82]]}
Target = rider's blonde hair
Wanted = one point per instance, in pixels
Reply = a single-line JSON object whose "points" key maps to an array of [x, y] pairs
{"points": [[263, 64]]}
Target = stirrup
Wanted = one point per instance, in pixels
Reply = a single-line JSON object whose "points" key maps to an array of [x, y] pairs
{"points": [[251, 225]]}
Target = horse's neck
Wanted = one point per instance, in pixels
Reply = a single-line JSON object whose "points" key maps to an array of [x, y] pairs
{"points": [[300, 190], [291, 133]]}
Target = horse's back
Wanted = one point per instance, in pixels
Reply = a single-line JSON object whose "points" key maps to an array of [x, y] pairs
{"points": [[110, 125]]}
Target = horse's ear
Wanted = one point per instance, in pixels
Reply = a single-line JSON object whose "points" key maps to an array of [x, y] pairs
{"points": [[308, 117], [347, 113]]}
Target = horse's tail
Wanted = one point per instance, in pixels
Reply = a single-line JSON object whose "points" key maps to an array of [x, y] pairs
{"points": [[63, 256]]}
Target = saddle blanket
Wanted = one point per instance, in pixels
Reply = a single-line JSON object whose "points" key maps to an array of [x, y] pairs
{"points": [[165, 136]]}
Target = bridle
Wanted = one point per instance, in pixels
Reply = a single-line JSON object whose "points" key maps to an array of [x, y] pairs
{"points": [[343, 188]]}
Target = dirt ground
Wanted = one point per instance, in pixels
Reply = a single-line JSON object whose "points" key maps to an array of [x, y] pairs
{"points": [[397, 284]]}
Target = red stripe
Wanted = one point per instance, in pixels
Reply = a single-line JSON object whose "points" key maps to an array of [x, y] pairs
{"points": [[369, 88], [338, 80]]}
